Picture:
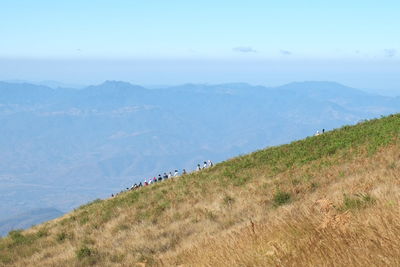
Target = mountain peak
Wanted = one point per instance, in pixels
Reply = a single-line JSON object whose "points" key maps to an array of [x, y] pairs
{"points": [[115, 83], [112, 86]]}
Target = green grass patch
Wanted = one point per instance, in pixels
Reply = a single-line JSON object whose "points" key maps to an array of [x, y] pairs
{"points": [[18, 238], [84, 252], [280, 198], [356, 202]]}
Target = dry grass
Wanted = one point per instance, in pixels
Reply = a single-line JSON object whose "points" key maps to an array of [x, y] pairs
{"points": [[321, 230], [329, 200]]}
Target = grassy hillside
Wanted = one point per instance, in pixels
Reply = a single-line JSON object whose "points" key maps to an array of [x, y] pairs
{"points": [[332, 199]]}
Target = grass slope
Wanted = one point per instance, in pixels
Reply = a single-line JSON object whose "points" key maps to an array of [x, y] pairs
{"points": [[332, 199]]}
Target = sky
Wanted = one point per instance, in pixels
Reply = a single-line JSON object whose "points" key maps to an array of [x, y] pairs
{"points": [[169, 42]]}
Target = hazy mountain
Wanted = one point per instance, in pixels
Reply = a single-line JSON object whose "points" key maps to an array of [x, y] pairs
{"points": [[27, 219], [63, 147], [49, 83]]}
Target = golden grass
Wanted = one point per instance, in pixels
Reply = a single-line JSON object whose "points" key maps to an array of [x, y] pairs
{"points": [[343, 210], [317, 231]]}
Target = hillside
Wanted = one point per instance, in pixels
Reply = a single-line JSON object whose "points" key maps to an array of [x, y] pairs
{"points": [[64, 147], [330, 200]]}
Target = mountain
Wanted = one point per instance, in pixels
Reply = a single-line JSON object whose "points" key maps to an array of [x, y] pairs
{"points": [[48, 83], [331, 199], [64, 147], [28, 219]]}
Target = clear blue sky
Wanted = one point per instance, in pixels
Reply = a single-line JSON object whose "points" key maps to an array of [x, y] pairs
{"points": [[109, 39]]}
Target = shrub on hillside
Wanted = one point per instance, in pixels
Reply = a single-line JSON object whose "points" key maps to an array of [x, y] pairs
{"points": [[60, 237], [84, 252], [228, 201], [281, 198], [42, 233], [17, 236]]}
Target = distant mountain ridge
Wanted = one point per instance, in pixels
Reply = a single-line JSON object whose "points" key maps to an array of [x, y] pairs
{"points": [[28, 219]]}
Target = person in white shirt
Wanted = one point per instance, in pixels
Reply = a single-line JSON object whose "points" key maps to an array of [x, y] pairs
{"points": [[198, 167], [210, 164], [176, 173], [205, 165]]}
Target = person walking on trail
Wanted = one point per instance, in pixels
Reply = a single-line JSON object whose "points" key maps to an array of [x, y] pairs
{"points": [[184, 172], [170, 175], [205, 165], [198, 167], [165, 176], [317, 133], [210, 164], [176, 174], [159, 178], [323, 131]]}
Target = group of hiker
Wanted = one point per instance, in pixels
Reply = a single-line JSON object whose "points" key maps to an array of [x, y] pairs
{"points": [[318, 132], [165, 176]]}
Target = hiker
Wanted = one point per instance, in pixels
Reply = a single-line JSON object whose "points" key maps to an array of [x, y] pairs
{"points": [[170, 175], [205, 165], [159, 178], [145, 182], [210, 164], [165, 176], [323, 131], [176, 174], [154, 179], [317, 133], [198, 167], [184, 172]]}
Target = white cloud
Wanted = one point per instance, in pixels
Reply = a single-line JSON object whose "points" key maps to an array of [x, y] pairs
{"points": [[390, 52], [244, 49], [286, 52]]}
